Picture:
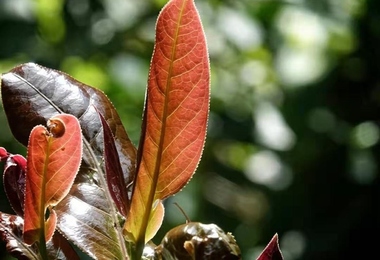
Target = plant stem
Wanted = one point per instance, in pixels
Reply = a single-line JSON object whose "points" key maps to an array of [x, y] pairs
{"points": [[137, 253], [133, 252], [42, 242], [42, 246]]}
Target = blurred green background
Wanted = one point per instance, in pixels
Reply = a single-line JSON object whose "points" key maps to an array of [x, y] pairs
{"points": [[293, 140]]}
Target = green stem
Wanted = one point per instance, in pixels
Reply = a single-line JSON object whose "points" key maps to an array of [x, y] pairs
{"points": [[139, 247], [42, 242], [42, 246]]}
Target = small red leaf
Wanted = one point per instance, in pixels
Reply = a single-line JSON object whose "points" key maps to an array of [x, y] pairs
{"points": [[3, 154], [271, 251], [175, 116], [14, 179], [53, 161], [114, 172]]}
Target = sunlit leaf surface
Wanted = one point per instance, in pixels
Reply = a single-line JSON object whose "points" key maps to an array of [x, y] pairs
{"points": [[54, 156], [31, 94], [175, 117]]}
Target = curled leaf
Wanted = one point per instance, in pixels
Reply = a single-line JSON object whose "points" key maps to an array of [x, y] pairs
{"points": [[3, 154], [32, 94], [52, 165], [14, 179]]}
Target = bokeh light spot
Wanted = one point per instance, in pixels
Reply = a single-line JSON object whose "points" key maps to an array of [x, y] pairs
{"points": [[271, 129], [366, 135], [266, 168]]}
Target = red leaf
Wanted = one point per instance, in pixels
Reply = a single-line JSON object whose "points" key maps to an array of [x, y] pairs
{"points": [[3, 154], [176, 112], [271, 251], [14, 179], [114, 172], [53, 161], [31, 94]]}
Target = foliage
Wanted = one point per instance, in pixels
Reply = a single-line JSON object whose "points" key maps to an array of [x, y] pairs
{"points": [[96, 212], [293, 136]]}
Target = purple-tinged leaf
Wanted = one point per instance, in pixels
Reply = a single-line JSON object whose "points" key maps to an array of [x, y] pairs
{"points": [[14, 179], [3, 154], [59, 248], [85, 218], [11, 227], [31, 94], [271, 251], [114, 173]]}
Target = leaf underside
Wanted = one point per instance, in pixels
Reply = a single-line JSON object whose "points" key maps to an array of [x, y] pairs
{"points": [[175, 116], [52, 164]]}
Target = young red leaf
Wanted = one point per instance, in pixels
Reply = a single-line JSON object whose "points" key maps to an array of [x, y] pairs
{"points": [[31, 94], [14, 179], [14, 182], [3, 154], [271, 251], [114, 173], [54, 157], [175, 116]]}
